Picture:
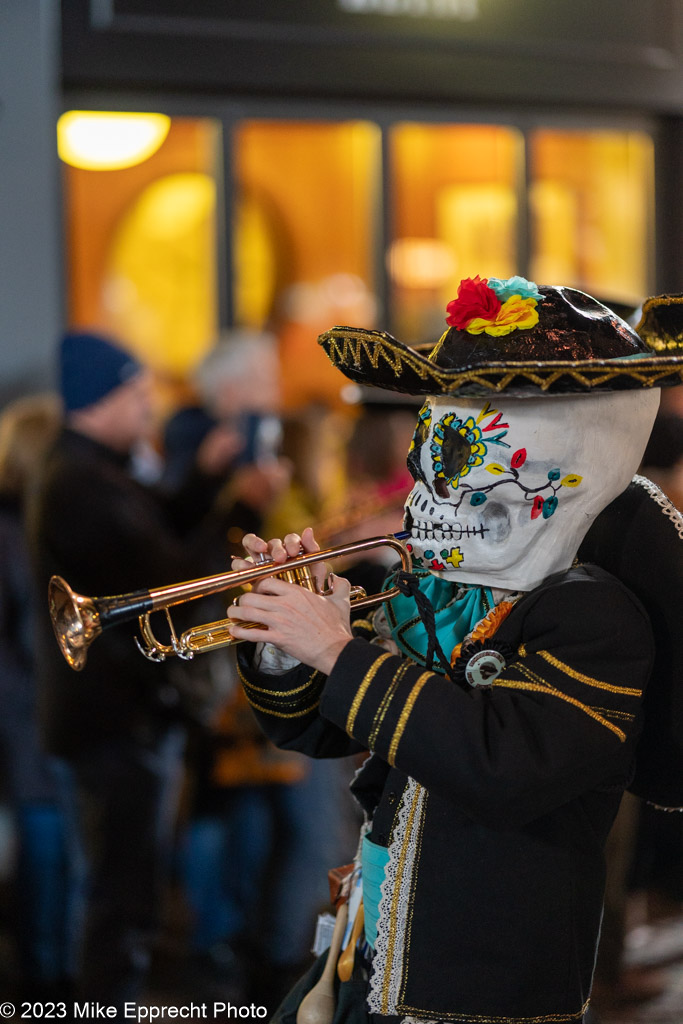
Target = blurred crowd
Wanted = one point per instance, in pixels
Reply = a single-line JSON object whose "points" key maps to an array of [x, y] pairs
{"points": [[151, 822], [158, 839]]}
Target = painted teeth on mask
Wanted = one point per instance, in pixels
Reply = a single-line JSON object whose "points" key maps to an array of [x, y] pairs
{"points": [[423, 530]]}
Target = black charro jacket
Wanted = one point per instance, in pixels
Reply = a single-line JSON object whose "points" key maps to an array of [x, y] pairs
{"points": [[495, 802]]}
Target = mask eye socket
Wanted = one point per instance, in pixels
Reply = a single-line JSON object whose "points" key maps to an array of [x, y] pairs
{"points": [[451, 450], [455, 452]]}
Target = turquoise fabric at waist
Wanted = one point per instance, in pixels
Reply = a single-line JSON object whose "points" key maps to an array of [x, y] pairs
{"points": [[374, 860]]}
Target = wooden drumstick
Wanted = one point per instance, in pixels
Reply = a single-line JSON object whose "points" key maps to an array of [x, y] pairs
{"points": [[317, 1007], [345, 965]]}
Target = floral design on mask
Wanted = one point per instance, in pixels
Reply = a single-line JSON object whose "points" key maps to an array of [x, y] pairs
{"points": [[459, 445], [544, 499], [543, 503], [450, 558]]}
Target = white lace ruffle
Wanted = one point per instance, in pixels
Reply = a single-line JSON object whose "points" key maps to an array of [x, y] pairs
{"points": [[667, 507], [394, 904]]}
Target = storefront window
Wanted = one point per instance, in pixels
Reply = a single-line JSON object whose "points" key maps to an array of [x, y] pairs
{"points": [[591, 197], [141, 244], [307, 202], [306, 218], [454, 214]]}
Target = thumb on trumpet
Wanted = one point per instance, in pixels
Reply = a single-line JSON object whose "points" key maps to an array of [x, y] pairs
{"points": [[339, 592]]}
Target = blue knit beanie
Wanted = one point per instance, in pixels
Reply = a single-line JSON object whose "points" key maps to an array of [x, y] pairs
{"points": [[90, 366]]}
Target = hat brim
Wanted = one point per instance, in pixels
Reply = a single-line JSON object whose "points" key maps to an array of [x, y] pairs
{"points": [[377, 359], [660, 324]]}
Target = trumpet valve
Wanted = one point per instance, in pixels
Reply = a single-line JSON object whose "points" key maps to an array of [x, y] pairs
{"points": [[302, 575]]}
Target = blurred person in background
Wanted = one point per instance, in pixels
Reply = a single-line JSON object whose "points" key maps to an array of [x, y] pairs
{"points": [[117, 727], [303, 310], [263, 827], [313, 441], [226, 441], [377, 480], [42, 874]]}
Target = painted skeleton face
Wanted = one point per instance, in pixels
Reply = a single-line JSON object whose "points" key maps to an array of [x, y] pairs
{"points": [[506, 490]]}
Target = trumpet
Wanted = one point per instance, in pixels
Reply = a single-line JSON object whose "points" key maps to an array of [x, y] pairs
{"points": [[78, 620]]}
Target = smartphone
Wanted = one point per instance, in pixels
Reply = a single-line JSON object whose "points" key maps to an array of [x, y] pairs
{"points": [[262, 438]]}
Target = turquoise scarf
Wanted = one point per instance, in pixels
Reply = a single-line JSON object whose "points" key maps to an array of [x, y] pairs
{"points": [[457, 610]]}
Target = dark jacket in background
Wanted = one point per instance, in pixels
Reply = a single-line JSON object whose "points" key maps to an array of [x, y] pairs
{"points": [[25, 773], [106, 534]]}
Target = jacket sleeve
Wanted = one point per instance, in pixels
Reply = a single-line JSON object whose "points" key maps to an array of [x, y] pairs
{"points": [[562, 718], [287, 706]]}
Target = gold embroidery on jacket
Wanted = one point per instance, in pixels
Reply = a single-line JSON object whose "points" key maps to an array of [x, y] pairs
{"points": [[588, 680], [363, 689], [386, 701], [547, 1018], [282, 714], [405, 715], [543, 687], [411, 906], [276, 694], [624, 716], [363, 624]]}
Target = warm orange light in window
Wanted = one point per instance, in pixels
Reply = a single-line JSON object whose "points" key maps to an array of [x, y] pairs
{"points": [[421, 262], [108, 141], [159, 283]]}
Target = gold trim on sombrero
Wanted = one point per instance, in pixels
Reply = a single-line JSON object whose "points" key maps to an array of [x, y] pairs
{"points": [[651, 331], [360, 351]]}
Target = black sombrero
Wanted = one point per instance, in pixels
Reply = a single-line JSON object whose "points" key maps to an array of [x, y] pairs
{"points": [[575, 345]]}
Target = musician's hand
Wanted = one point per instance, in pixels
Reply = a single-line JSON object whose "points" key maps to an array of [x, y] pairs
{"points": [[311, 628], [277, 550]]}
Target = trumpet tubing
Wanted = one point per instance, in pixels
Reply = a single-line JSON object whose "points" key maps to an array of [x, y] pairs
{"points": [[78, 621]]}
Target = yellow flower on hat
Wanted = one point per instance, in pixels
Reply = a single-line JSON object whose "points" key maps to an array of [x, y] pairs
{"points": [[514, 314]]}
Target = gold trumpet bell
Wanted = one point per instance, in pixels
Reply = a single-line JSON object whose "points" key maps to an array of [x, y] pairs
{"points": [[75, 620]]}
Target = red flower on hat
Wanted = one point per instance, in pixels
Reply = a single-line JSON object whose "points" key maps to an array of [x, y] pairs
{"points": [[475, 300]]}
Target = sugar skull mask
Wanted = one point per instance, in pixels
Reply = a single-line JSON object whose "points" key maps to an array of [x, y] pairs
{"points": [[506, 489]]}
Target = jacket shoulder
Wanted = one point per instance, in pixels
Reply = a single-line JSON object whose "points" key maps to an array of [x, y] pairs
{"points": [[581, 593]]}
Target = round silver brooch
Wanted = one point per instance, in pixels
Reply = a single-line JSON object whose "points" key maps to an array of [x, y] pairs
{"points": [[484, 667]]}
